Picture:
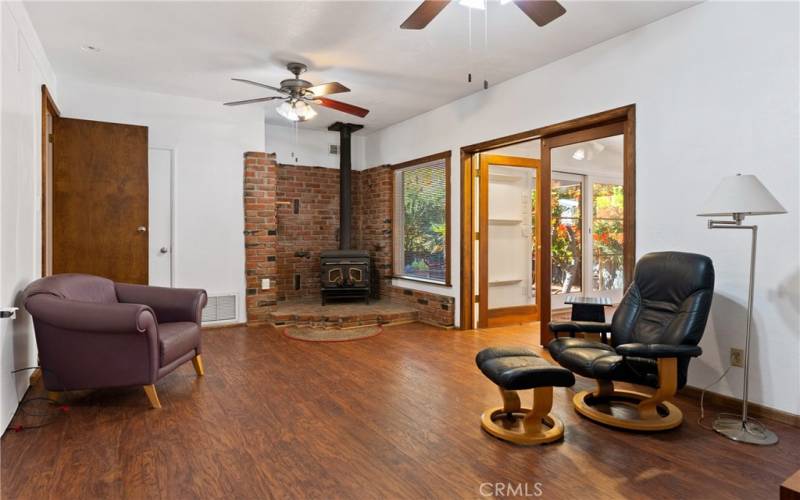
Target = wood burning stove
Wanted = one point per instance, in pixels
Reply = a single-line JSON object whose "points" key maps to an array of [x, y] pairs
{"points": [[345, 273]]}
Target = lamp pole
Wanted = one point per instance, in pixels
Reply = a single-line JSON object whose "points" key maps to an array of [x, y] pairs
{"points": [[743, 429]]}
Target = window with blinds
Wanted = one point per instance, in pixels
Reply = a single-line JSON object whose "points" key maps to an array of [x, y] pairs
{"points": [[420, 221]]}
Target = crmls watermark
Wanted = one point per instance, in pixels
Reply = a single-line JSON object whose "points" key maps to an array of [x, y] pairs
{"points": [[510, 489]]}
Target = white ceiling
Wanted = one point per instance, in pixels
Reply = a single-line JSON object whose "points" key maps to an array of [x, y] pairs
{"points": [[194, 48]]}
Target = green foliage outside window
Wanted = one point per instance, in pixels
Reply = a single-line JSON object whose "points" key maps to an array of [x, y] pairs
{"points": [[424, 228]]}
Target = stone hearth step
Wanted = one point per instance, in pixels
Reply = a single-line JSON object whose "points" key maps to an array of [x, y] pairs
{"points": [[340, 314]]}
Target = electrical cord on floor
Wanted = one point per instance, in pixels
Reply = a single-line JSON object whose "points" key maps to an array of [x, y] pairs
{"points": [[21, 407], [702, 397]]}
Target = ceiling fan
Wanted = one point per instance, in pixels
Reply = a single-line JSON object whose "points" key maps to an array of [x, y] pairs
{"points": [[541, 12], [298, 96]]}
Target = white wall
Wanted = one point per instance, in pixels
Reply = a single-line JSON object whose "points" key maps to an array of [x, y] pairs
{"points": [[209, 141], [309, 147], [23, 69], [716, 91]]}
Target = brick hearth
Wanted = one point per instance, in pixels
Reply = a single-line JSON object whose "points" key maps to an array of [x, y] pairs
{"points": [[340, 314], [292, 214]]}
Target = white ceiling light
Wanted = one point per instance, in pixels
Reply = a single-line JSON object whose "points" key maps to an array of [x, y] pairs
{"points": [[579, 154], [287, 111], [297, 111], [473, 4]]}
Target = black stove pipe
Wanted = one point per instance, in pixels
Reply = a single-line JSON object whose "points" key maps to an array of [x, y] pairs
{"points": [[345, 182]]}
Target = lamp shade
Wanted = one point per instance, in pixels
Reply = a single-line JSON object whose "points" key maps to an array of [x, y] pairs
{"points": [[741, 194]]}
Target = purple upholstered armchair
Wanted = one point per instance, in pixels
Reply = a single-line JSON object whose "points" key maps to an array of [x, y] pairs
{"points": [[93, 333]]}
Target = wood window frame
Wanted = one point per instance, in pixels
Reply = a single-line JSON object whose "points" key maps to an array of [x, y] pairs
{"points": [[626, 115], [446, 156], [48, 107]]}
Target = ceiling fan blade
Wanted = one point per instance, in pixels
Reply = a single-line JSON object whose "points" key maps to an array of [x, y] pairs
{"points": [[263, 86], [328, 89], [424, 14], [541, 12], [342, 106], [250, 101]]}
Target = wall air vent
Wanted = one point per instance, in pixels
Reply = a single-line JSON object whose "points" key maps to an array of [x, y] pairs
{"points": [[220, 308], [334, 149]]}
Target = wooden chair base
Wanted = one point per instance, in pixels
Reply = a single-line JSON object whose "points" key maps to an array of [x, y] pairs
{"points": [[664, 417], [524, 426]]}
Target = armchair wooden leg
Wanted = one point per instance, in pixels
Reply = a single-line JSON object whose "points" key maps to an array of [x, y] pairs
{"points": [[197, 361], [152, 395]]}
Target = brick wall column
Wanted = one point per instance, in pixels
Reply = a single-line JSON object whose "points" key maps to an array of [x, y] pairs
{"points": [[260, 240]]}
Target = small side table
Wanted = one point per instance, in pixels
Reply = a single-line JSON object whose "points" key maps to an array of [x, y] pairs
{"points": [[588, 308]]}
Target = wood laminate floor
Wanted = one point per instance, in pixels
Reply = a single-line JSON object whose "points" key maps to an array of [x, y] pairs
{"points": [[393, 416]]}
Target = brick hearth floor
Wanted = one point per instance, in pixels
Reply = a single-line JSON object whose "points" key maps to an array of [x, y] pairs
{"points": [[340, 314]]}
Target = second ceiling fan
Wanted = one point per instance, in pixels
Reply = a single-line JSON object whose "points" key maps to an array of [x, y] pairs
{"points": [[541, 12]]}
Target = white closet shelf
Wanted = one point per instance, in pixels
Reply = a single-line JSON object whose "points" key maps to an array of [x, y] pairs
{"points": [[504, 282], [509, 222]]}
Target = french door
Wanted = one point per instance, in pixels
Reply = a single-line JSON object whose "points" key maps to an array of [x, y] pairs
{"points": [[592, 220], [507, 241]]}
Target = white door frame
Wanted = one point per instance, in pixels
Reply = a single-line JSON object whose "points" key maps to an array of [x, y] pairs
{"points": [[172, 219]]}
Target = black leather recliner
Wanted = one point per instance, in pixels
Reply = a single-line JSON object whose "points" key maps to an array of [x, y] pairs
{"points": [[654, 333]]}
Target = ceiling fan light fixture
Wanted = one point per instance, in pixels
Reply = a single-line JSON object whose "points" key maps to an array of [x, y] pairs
{"points": [[287, 111], [304, 111], [473, 4]]}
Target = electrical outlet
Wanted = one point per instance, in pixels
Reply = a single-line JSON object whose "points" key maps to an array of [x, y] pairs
{"points": [[265, 284], [737, 357]]}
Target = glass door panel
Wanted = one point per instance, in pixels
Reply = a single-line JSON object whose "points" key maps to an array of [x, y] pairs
{"points": [[566, 270], [607, 237]]}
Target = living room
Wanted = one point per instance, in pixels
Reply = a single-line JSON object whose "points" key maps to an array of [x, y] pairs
{"points": [[333, 256]]}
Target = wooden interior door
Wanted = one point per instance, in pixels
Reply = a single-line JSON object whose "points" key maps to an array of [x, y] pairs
{"points": [[100, 199], [508, 241]]}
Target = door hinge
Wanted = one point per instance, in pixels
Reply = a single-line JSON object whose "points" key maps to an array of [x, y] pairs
{"points": [[477, 172], [477, 298], [477, 236], [50, 138]]}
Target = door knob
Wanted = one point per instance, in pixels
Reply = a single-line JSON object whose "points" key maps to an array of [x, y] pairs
{"points": [[141, 229], [163, 250]]}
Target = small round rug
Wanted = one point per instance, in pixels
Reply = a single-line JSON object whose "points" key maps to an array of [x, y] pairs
{"points": [[310, 334]]}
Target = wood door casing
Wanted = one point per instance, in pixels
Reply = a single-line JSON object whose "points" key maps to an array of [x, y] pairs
{"points": [[100, 199], [505, 315]]}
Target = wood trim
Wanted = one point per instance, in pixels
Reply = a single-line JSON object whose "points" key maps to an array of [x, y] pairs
{"points": [[543, 251], [446, 156], [483, 243], [48, 106], [589, 134], [629, 198], [735, 404], [467, 309], [612, 115], [514, 315], [790, 489]]}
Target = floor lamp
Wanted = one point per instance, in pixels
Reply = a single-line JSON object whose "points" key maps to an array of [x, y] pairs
{"points": [[739, 196]]}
